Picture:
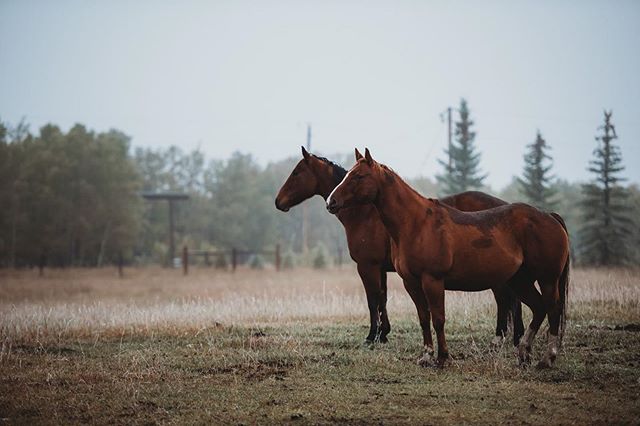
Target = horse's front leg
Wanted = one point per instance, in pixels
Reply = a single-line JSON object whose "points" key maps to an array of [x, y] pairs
{"points": [[370, 275], [384, 317], [433, 289], [414, 288]]}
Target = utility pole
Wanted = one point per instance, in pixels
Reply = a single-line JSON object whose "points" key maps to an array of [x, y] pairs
{"points": [[305, 207], [171, 198], [449, 133]]}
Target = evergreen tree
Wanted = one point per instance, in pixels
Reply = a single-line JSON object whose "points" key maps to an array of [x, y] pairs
{"points": [[607, 226], [535, 183], [462, 173]]}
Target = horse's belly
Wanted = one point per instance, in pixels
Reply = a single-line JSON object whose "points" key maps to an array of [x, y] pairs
{"points": [[471, 284], [478, 273]]}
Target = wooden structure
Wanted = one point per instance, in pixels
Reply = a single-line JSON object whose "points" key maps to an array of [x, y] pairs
{"points": [[233, 253], [172, 198]]}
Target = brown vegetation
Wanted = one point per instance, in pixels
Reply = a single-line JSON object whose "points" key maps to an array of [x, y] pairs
{"points": [[259, 346]]}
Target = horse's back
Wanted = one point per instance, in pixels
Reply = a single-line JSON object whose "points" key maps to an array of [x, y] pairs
{"points": [[471, 201], [512, 234]]}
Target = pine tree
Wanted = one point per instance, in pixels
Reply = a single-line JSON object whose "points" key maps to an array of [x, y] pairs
{"points": [[535, 182], [463, 172], [607, 226]]}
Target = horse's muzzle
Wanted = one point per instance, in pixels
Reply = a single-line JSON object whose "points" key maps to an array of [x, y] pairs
{"points": [[333, 206], [279, 207]]}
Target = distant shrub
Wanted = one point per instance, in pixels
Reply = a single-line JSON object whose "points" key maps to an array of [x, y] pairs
{"points": [[159, 253], [221, 261], [288, 260], [256, 262], [320, 256]]}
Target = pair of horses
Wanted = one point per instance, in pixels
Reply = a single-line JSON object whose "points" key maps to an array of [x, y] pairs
{"points": [[434, 246], [370, 246]]}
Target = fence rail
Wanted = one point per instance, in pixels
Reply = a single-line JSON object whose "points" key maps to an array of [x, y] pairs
{"points": [[232, 253]]}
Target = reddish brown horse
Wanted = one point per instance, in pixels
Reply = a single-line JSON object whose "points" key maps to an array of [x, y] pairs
{"points": [[370, 246], [437, 247]]}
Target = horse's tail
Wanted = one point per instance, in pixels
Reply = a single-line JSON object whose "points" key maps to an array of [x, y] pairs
{"points": [[563, 282]]}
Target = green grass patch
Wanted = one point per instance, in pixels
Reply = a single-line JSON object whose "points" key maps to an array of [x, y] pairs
{"points": [[307, 374]]}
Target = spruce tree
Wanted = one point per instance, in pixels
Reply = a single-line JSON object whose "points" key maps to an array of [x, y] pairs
{"points": [[536, 180], [463, 172], [607, 225]]}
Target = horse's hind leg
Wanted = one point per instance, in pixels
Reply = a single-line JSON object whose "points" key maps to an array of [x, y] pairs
{"points": [[551, 299], [503, 303], [370, 275], [518, 325], [414, 288], [509, 312], [528, 293]]}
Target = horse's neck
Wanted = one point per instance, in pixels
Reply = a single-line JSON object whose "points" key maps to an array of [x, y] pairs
{"points": [[328, 183], [396, 202], [349, 216], [356, 216]]}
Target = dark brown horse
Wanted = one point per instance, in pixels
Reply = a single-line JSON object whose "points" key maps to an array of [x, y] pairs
{"points": [[436, 247], [370, 246]]}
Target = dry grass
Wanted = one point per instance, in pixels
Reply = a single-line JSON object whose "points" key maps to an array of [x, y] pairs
{"points": [[90, 302], [83, 346]]}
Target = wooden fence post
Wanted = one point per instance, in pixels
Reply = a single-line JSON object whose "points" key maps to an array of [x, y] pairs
{"points": [[185, 260], [120, 265], [206, 258], [234, 260], [41, 263], [277, 257]]}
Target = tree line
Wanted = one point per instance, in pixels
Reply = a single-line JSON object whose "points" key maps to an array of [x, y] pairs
{"points": [[604, 229], [74, 199]]}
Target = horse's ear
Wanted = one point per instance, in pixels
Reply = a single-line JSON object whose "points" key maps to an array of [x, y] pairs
{"points": [[305, 154], [358, 155], [367, 156]]}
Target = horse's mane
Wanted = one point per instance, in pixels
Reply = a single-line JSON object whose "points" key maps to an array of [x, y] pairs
{"points": [[338, 171], [397, 176]]}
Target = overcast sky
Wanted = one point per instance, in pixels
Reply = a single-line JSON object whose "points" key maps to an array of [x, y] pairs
{"points": [[248, 76]]}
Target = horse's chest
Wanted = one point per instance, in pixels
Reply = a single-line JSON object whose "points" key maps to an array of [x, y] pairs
{"points": [[407, 265], [415, 258], [367, 246]]}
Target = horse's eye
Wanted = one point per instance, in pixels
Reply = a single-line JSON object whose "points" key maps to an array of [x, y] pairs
{"points": [[358, 177]]}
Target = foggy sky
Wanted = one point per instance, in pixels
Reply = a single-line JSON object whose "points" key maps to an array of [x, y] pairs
{"points": [[248, 76]]}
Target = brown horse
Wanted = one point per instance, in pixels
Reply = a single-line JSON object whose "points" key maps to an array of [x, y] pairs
{"points": [[437, 247], [370, 246]]}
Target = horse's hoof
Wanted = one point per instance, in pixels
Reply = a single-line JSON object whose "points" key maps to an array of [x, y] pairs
{"points": [[383, 339], [368, 344], [497, 342], [524, 355], [443, 362], [545, 363], [426, 360]]}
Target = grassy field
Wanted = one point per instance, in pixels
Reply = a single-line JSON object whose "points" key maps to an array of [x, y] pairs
{"points": [[82, 346]]}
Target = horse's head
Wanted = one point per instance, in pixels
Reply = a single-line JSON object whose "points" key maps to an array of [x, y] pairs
{"points": [[359, 186], [306, 180]]}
